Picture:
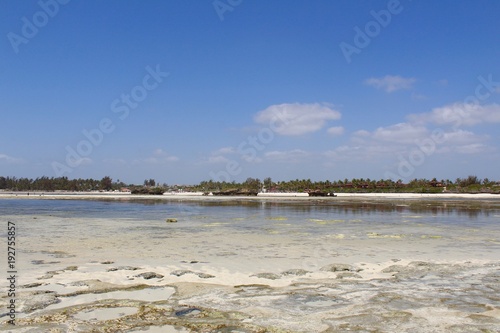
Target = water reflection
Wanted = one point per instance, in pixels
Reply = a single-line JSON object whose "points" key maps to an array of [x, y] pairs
{"points": [[468, 208], [123, 206]]}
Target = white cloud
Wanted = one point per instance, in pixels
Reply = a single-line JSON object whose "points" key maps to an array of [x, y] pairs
{"points": [[474, 148], [296, 119], [342, 152], [461, 137], [83, 161], [361, 133], [460, 114], [399, 136], [291, 156], [331, 154], [400, 133], [353, 155], [366, 152], [345, 148], [387, 143], [391, 83], [159, 157], [217, 159], [9, 159], [224, 150], [156, 160], [219, 155], [230, 154], [336, 131]]}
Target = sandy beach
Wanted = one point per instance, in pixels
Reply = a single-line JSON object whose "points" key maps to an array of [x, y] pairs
{"points": [[264, 196]]}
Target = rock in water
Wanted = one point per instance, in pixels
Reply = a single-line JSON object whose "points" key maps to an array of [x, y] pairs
{"points": [[205, 275], [39, 300], [340, 268], [150, 275], [270, 276], [181, 272], [186, 312], [343, 275], [295, 271]]}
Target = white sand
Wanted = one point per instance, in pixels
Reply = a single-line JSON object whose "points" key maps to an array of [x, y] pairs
{"points": [[260, 196]]}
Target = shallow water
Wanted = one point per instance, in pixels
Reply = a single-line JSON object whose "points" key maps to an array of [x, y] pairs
{"points": [[257, 265]]}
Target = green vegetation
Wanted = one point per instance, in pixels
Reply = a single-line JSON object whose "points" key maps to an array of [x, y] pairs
{"points": [[147, 190], [58, 184], [471, 184]]}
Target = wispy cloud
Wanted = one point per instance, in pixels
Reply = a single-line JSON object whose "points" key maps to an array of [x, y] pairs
{"points": [[409, 135], [9, 159], [462, 137], [402, 133], [391, 83], [336, 131], [159, 156], [391, 141], [84, 161], [224, 151], [215, 159], [460, 114], [475, 148], [388, 142], [220, 155], [291, 156], [228, 154], [296, 119]]}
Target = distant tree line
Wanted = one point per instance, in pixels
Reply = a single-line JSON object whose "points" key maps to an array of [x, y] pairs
{"points": [[58, 184], [471, 184]]}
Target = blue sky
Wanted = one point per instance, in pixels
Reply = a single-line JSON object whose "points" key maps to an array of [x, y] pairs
{"points": [[184, 91]]}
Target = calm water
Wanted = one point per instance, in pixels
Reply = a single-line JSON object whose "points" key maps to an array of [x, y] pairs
{"points": [[467, 225], [257, 214]]}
